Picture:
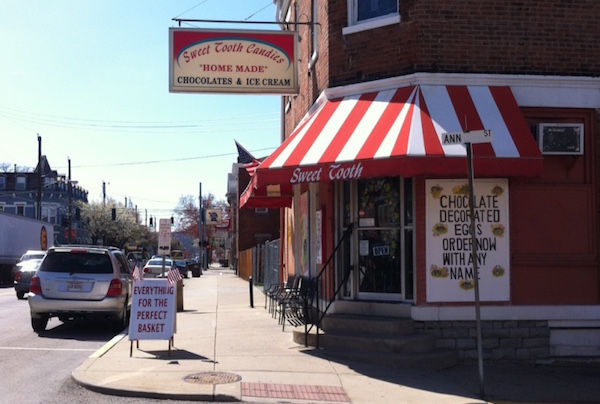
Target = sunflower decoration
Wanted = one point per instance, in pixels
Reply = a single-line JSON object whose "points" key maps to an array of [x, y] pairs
{"points": [[436, 191], [439, 229], [439, 272], [461, 189], [467, 284], [498, 230], [497, 190], [498, 271]]}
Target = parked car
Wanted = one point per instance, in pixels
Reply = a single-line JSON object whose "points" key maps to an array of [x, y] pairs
{"points": [[154, 267], [137, 258], [22, 277], [81, 282], [183, 267], [29, 255]]}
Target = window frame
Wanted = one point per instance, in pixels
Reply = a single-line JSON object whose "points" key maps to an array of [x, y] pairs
{"points": [[354, 25], [20, 183]]}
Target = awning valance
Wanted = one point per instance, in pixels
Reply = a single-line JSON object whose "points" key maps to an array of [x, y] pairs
{"points": [[397, 132], [270, 196]]}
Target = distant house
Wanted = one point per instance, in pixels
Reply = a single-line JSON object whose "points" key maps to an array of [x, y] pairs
{"points": [[19, 196]]}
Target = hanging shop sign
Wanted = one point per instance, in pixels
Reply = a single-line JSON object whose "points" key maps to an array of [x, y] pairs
{"points": [[233, 61], [449, 262], [213, 217]]}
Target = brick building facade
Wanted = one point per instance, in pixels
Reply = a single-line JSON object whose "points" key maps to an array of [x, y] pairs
{"points": [[526, 71]]}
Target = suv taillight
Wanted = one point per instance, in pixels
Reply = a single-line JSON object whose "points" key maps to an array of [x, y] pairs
{"points": [[35, 286], [115, 288]]}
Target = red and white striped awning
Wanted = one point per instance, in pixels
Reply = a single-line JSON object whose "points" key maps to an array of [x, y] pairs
{"points": [[398, 131]]}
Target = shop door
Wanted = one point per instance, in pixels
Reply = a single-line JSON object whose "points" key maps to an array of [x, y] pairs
{"points": [[383, 239]]}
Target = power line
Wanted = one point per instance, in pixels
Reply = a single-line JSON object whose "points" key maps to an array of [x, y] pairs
{"points": [[133, 126], [188, 10], [179, 159], [253, 14]]}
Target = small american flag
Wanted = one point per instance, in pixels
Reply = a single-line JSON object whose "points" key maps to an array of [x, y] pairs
{"points": [[247, 159], [173, 275], [137, 274], [244, 156], [251, 167]]}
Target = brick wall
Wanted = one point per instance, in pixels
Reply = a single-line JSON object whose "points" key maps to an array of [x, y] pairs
{"points": [[554, 37], [501, 340]]}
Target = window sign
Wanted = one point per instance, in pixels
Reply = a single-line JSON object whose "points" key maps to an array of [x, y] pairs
{"points": [[319, 235], [449, 263], [364, 248]]}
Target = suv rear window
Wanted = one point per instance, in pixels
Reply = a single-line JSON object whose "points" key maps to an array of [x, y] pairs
{"points": [[86, 263]]}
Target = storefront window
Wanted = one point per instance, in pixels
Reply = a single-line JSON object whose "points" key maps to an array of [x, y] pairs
{"points": [[409, 293], [346, 205], [408, 202]]}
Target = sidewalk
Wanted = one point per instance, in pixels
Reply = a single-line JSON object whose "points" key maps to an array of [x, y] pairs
{"points": [[224, 350]]}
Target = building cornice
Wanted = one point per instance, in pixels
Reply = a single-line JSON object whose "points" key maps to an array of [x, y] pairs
{"points": [[529, 90]]}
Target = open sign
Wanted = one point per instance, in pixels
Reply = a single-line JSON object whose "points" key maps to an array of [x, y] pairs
{"points": [[381, 250]]}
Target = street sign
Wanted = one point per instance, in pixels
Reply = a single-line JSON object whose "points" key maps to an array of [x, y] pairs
{"points": [[475, 136], [469, 138], [164, 237]]}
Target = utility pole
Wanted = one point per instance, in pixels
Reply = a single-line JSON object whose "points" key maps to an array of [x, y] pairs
{"points": [[70, 188], [103, 193], [200, 226], [39, 185]]}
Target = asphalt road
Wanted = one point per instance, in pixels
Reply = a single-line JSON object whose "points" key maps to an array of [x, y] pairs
{"points": [[37, 368]]}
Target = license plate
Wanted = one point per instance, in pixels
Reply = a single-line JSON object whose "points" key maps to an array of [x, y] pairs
{"points": [[74, 286]]}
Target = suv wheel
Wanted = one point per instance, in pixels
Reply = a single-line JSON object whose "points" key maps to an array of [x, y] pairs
{"points": [[39, 323], [20, 295], [119, 324]]}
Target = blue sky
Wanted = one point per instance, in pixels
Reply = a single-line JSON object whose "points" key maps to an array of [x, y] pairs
{"points": [[91, 78]]}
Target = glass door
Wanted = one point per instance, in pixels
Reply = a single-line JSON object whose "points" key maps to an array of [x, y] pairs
{"points": [[378, 238], [380, 251]]}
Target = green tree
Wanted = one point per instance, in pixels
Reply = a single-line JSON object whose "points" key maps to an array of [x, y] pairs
{"points": [[125, 229]]}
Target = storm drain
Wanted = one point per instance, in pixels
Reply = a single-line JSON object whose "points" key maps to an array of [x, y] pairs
{"points": [[212, 378]]}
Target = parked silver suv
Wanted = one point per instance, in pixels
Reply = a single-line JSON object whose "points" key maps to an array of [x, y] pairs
{"points": [[81, 282]]}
